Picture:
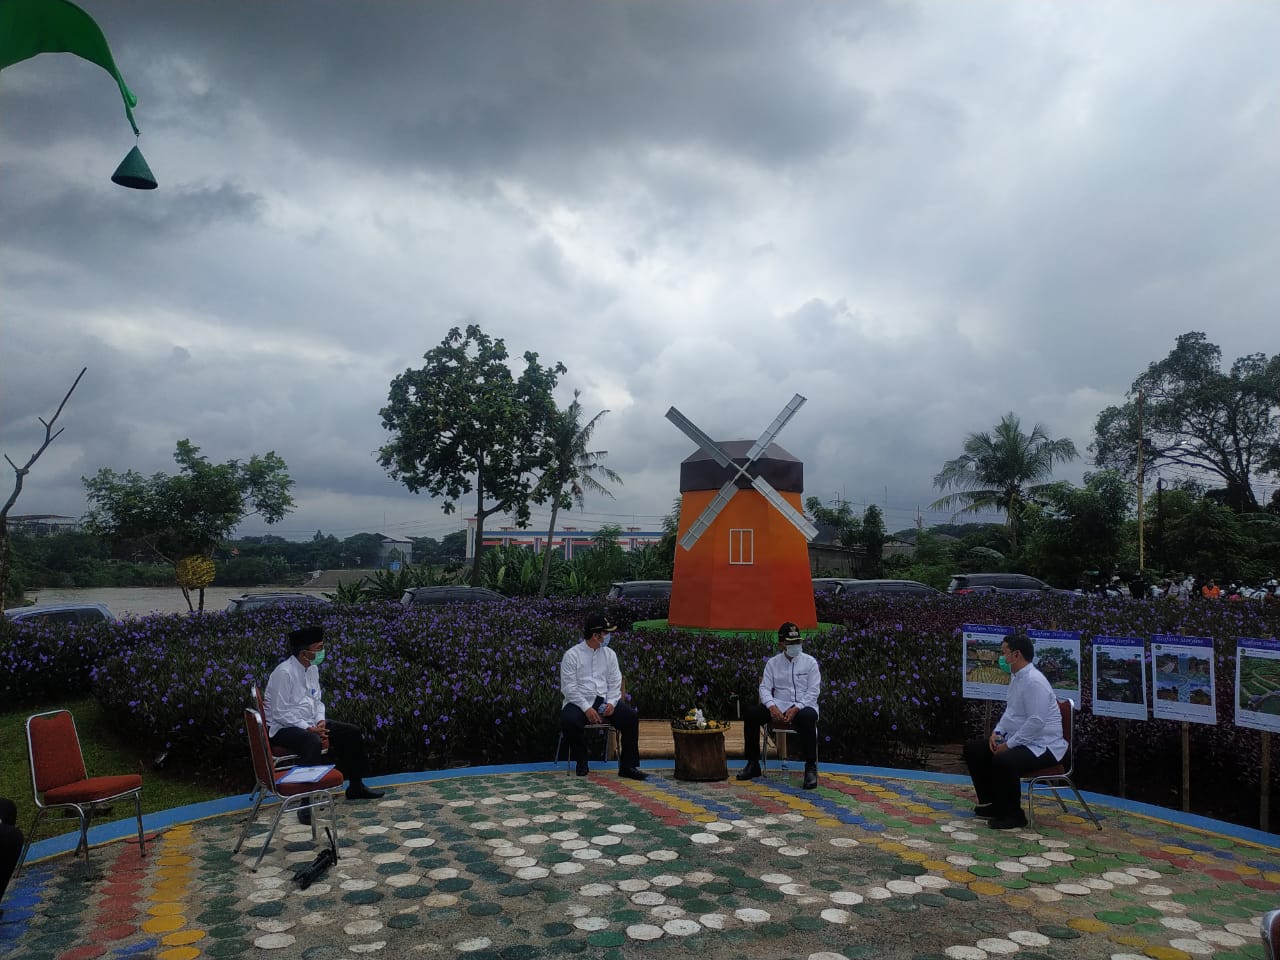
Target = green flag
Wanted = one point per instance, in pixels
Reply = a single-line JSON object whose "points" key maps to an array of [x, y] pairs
{"points": [[31, 27]]}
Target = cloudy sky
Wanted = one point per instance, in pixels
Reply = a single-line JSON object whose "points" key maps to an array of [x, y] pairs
{"points": [[920, 216]]}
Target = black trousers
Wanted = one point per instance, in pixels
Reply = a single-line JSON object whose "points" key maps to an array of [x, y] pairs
{"points": [[996, 776], [10, 842], [346, 747], [625, 719], [804, 723]]}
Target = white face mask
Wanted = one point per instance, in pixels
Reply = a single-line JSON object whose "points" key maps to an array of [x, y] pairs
{"points": [[793, 650], [604, 641]]}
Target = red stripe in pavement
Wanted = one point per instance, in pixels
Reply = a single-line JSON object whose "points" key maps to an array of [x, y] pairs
{"points": [[118, 911]]}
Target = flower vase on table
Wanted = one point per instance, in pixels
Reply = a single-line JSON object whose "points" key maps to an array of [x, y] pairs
{"points": [[699, 744]]}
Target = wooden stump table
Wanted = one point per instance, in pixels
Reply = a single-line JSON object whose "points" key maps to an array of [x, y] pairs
{"points": [[700, 755]]}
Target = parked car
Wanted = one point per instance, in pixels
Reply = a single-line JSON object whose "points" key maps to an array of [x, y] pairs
{"points": [[901, 588], [1015, 583], [640, 590], [829, 585], [60, 613], [259, 601], [442, 596]]}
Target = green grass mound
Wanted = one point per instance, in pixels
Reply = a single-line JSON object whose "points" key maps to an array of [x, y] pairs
{"points": [[770, 636]]}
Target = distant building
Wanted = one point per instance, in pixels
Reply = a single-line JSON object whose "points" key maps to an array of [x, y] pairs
{"points": [[392, 551], [895, 547], [44, 524], [566, 541]]}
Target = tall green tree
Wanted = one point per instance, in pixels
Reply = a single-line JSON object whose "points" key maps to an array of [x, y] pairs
{"points": [[447, 549], [841, 518], [1000, 470], [189, 513], [462, 424], [362, 549], [873, 537], [1080, 528], [670, 527], [574, 470], [1192, 414]]}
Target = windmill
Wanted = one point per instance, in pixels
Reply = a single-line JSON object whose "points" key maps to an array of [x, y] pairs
{"points": [[743, 561]]}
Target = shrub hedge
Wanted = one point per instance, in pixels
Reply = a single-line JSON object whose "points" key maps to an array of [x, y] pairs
{"points": [[479, 683]]}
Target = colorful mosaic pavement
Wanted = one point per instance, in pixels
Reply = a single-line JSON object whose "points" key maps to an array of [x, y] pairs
{"points": [[536, 864]]}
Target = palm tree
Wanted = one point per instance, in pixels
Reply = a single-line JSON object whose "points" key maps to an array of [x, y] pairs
{"points": [[992, 472], [574, 471]]}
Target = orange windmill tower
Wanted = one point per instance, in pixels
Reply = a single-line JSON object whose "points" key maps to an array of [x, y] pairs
{"points": [[743, 561]]}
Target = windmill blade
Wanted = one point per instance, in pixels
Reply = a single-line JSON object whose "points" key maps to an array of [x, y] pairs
{"points": [[687, 427], [709, 514], [780, 504], [774, 428]]}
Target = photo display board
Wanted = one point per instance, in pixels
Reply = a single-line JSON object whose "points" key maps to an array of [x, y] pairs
{"points": [[1258, 684], [1057, 656], [1119, 677], [983, 678], [1182, 679]]}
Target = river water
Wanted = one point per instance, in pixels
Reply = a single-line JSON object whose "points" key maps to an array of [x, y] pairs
{"points": [[139, 601]]}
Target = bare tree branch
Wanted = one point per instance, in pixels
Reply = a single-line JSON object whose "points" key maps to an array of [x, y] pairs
{"points": [[19, 477]]}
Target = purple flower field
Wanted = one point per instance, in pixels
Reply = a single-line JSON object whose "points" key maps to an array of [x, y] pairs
{"points": [[479, 684]]}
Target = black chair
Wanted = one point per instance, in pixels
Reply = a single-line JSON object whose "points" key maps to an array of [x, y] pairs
{"points": [[780, 736], [611, 744]]}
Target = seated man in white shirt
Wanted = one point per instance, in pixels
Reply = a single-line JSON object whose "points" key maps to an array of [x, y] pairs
{"points": [[1027, 737], [788, 698], [591, 683], [296, 717]]}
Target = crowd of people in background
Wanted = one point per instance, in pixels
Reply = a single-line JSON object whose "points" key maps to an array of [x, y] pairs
{"points": [[1180, 586]]}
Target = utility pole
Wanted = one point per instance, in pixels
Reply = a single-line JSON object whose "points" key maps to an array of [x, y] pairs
{"points": [[1141, 558], [1164, 561]]}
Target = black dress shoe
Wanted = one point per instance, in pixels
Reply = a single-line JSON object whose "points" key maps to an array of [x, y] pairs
{"points": [[810, 776], [583, 769], [304, 817], [361, 792], [1014, 821], [631, 773], [986, 810], [750, 771]]}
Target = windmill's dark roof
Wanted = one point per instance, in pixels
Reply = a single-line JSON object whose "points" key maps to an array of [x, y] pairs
{"points": [[699, 470]]}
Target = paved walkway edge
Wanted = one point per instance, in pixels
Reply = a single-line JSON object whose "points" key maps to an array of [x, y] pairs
{"points": [[152, 822]]}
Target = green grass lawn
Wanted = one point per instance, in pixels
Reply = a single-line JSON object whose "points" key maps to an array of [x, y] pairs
{"points": [[105, 754]]}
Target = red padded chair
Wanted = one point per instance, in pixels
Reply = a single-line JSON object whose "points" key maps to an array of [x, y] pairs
{"points": [[1058, 776], [59, 778], [315, 796]]}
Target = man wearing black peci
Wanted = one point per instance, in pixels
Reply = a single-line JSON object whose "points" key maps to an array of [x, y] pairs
{"points": [[296, 719], [591, 683], [788, 698]]}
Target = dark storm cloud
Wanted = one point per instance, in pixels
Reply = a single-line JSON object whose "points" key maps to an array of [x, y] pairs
{"points": [[920, 216], [482, 88], [81, 223]]}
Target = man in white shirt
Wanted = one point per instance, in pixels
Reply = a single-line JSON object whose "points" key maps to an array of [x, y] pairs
{"points": [[788, 698], [591, 683], [1027, 737], [296, 719]]}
